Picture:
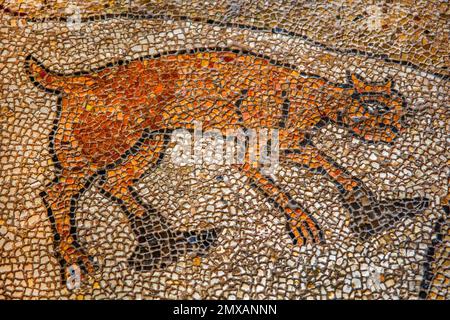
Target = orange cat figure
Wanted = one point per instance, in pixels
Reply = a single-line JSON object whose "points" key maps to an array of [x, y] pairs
{"points": [[113, 125]]}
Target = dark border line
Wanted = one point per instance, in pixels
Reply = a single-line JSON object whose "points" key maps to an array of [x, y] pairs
{"points": [[276, 30], [12, 12], [285, 108], [428, 272], [274, 62], [146, 134], [124, 62]]}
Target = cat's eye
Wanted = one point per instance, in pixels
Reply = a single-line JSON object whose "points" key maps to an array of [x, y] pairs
{"points": [[375, 107]]}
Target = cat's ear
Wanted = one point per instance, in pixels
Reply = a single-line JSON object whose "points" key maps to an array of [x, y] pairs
{"points": [[358, 84], [366, 87]]}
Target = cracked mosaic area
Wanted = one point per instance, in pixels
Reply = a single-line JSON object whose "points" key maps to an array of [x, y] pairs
{"points": [[96, 200]]}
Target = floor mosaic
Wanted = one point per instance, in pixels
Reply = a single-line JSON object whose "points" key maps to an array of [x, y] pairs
{"points": [[224, 150]]}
